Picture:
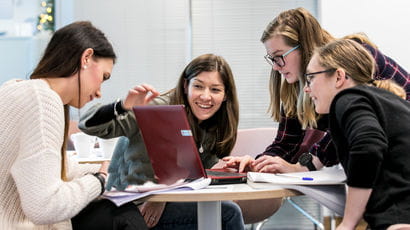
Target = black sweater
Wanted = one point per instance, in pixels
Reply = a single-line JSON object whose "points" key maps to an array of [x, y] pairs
{"points": [[370, 128]]}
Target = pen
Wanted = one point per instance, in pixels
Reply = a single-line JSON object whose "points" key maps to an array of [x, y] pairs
{"points": [[293, 176], [219, 187], [307, 178]]}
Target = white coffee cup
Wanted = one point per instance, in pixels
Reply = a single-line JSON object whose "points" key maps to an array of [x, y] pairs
{"points": [[83, 144], [107, 146]]}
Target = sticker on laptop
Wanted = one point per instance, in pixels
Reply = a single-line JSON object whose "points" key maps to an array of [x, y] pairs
{"points": [[186, 132]]}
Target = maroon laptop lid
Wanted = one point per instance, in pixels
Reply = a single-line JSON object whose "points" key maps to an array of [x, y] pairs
{"points": [[169, 142], [171, 146]]}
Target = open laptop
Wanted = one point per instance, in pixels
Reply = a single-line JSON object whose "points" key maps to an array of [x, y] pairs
{"points": [[172, 149]]}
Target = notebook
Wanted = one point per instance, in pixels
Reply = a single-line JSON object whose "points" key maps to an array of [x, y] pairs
{"points": [[172, 149]]}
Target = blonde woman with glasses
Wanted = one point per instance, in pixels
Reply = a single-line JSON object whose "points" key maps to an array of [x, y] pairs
{"points": [[367, 120]]}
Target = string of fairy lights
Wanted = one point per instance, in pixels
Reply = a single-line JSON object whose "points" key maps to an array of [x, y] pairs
{"points": [[46, 17]]}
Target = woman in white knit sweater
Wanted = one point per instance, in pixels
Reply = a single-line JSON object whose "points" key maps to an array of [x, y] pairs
{"points": [[40, 189]]}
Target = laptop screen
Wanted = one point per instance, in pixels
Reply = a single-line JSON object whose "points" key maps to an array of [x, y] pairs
{"points": [[169, 142]]}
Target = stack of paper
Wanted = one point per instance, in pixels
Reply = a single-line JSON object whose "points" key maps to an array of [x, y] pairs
{"points": [[332, 196], [136, 192], [325, 176], [326, 186]]}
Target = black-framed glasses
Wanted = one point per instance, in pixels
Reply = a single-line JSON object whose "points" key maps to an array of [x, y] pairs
{"points": [[309, 76], [280, 59]]}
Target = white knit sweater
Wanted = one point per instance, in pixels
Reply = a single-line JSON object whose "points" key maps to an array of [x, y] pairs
{"points": [[32, 194]]}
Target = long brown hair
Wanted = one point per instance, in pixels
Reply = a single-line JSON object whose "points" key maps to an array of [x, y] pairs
{"points": [[227, 117], [62, 58], [297, 27]]}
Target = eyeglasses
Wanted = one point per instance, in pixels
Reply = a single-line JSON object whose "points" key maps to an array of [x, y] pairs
{"points": [[279, 60], [309, 76]]}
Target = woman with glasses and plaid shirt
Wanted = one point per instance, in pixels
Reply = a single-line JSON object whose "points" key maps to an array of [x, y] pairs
{"points": [[289, 41]]}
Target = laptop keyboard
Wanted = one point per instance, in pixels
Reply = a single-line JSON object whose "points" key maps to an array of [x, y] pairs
{"points": [[221, 173]]}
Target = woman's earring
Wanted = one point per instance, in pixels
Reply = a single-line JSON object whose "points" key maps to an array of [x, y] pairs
{"points": [[85, 67]]}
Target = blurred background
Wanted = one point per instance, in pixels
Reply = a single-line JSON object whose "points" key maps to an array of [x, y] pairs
{"points": [[155, 39]]}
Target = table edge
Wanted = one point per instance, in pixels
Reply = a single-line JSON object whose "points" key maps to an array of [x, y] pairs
{"points": [[194, 197]]}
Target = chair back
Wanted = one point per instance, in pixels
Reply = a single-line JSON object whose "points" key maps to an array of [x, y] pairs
{"points": [[253, 141]]}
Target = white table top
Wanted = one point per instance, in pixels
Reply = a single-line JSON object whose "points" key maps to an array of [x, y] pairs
{"points": [[225, 192]]}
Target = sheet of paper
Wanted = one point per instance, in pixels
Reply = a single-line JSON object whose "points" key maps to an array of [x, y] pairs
{"points": [[132, 193], [150, 186], [333, 175]]}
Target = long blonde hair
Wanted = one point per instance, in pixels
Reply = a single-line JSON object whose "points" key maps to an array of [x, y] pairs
{"points": [[357, 62], [297, 27], [361, 38], [305, 108]]}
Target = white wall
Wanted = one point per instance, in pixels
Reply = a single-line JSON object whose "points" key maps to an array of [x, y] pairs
{"points": [[19, 17], [139, 30], [19, 49], [152, 40], [385, 22], [232, 29], [149, 38]]}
